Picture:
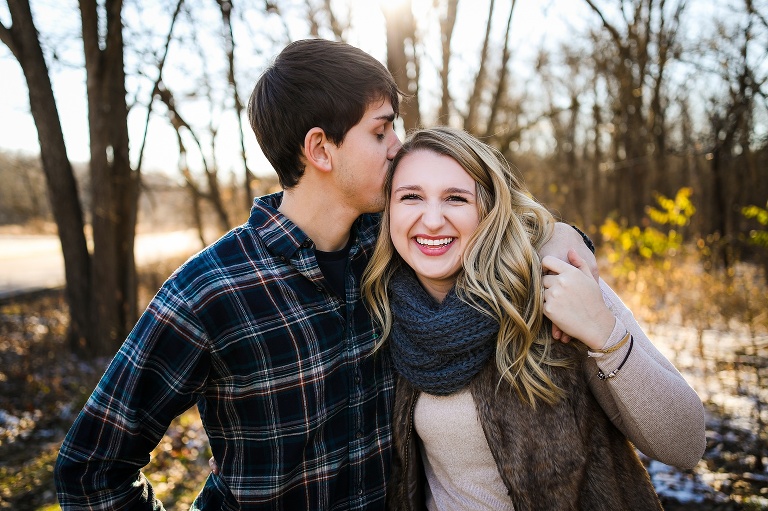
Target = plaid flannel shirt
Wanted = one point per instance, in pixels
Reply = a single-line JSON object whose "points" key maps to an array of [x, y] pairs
{"points": [[296, 407]]}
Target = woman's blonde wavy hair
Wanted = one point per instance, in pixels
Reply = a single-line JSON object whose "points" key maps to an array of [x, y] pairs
{"points": [[501, 267]]}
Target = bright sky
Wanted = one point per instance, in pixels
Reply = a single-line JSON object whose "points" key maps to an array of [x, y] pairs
{"points": [[534, 22]]}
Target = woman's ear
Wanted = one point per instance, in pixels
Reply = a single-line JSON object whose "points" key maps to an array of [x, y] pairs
{"points": [[315, 149]]}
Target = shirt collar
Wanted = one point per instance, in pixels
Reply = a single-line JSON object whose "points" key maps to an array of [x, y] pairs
{"points": [[284, 238]]}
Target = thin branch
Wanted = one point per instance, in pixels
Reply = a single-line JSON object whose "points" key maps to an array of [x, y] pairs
{"points": [[336, 28], [753, 11], [508, 135], [501, 87], [314, 24], [178, 121], [614, 33], [156, 85]]}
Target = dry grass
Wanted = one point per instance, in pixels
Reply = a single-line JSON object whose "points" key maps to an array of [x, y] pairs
{"points": [[712, 324]]}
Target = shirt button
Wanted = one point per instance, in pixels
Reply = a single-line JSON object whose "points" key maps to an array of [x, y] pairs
{"points": [[360, 491], [359, 434]]}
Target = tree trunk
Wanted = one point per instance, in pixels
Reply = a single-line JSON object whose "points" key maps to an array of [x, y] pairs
{"points": [[22, 40], [447, 23], [470, 121], [401, 29], [501, 85], [114, 186]]}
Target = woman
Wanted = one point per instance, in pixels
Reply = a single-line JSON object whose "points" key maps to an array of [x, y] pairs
{"points": [[490, 412]]}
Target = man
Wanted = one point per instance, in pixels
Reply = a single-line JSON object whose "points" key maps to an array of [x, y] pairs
{"points": [[265, 329]]}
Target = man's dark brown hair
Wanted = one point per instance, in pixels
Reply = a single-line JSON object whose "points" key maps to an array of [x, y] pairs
{"points": [[314, 83]]}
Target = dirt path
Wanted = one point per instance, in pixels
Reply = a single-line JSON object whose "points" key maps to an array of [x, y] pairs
{"points": [[34, 262]]}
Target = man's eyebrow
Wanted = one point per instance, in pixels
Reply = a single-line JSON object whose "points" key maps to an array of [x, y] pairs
{"points": [[388, 117]]}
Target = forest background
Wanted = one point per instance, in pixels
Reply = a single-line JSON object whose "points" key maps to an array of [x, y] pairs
{"points": [[645, 122]]}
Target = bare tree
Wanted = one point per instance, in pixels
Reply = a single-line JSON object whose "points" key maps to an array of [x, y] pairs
{"points": [[101, 286], [731, 123], [638, 56], [22, 39]]}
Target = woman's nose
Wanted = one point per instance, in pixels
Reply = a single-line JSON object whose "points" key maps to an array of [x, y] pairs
{"points": [[433, 217]]}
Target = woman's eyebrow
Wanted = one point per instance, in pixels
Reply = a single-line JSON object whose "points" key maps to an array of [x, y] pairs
{"points": [[459, 190]]}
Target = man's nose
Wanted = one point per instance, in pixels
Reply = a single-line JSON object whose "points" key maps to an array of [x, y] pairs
{"points": [[395, 147]]}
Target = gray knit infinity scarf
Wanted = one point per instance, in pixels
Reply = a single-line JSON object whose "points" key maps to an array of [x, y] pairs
{"points": [[437, 347]]}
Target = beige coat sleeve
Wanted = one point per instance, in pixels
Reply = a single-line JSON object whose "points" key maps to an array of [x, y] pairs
{"points": [[648, 399]]}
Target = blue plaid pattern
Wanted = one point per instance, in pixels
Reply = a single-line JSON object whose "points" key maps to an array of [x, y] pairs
{"points": [[296, 407]]}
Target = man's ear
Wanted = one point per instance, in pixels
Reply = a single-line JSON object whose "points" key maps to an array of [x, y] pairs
{"points": [[315, 149]]}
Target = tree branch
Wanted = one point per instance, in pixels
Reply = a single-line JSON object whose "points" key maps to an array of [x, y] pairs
{"points": [[6, 36], [614, 33], [156, 85]]}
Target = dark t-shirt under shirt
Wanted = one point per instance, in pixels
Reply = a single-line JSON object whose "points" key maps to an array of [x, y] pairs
{"points": [[333, 265]]}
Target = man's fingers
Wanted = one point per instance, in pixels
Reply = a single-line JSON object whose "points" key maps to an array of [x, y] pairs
{"points": [[559, 335], [214, 466], [577, 261]]}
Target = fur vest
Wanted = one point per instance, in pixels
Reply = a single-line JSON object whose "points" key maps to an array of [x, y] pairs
{"points": [[568, 456]]}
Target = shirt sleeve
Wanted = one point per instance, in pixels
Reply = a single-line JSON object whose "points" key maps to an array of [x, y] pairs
{"points": [[156, 375], [648, 399]]}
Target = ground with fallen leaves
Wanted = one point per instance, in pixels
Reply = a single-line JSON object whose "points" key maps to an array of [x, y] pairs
{"points": [[43, 386]]}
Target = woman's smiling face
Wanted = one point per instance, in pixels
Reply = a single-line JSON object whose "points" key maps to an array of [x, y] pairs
{"points": [[433, 213]]}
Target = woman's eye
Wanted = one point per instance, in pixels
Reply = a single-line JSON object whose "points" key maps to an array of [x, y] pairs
{"points": [[380, 136], [457, 198], [409, 196]]}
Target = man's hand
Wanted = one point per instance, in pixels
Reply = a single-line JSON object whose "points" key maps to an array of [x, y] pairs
{"points": [[563, 239], [214, 466]]}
